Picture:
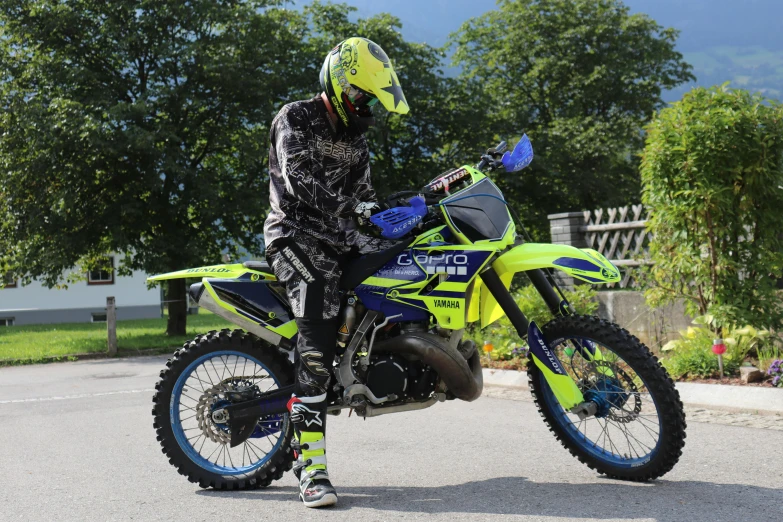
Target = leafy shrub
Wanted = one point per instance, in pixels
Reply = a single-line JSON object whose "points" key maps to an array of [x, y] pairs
{"points": [[509, 352], [766, 355], [692, 356], [711, 174], [776, 372], [582, 298]]}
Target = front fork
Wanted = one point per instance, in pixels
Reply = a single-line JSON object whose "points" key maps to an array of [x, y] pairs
{"points": [[563, 386], [559, 306]]}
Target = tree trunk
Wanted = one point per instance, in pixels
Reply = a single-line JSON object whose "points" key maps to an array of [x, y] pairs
{"points": [[178, 307]]}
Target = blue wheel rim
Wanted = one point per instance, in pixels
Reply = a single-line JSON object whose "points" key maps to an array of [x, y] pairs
{"points": [[574, 431], [183, 438]]}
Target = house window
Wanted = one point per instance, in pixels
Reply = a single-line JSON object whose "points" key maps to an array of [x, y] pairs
{"points": [[6, 321], [99, 318], [102, 277], [9, 280]]}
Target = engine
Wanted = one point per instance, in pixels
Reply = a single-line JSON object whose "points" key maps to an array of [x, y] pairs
{"points": [[393, 374]]}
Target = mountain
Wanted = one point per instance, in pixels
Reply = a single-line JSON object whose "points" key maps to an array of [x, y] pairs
{"points": [[724, 40]]}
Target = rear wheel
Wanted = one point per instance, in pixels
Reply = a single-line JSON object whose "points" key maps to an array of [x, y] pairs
{"points": [[638, 431], [196, 382]]}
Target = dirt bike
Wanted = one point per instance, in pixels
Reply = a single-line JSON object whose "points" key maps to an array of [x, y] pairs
{"points": [[220, 405]]}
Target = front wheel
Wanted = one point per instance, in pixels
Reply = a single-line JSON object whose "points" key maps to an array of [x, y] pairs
{"points": [[638, 430]]}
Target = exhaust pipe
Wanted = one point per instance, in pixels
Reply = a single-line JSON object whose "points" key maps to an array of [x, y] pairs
{"points": [[462, 377]]}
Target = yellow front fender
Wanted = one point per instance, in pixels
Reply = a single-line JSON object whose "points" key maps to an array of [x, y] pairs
{"points": [[585, 264]]}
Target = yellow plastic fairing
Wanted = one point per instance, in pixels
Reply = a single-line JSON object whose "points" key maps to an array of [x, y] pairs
{"points": [[490, 309], [584, 264]]}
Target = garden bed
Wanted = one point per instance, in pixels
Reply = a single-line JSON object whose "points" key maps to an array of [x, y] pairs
{"points": [[732, 381], [514, 364]]}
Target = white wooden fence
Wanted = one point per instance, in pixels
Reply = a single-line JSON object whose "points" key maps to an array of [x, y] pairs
{"points": [[617, 233]]}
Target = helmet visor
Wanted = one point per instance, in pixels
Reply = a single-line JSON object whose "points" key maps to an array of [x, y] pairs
{"points": [[363, 99]]}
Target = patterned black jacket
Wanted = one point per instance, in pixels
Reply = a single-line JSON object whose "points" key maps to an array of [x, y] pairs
{"points": [[318, 175]]}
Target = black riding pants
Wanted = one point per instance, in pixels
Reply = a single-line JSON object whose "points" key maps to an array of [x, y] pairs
{"points": [[310, 271]]}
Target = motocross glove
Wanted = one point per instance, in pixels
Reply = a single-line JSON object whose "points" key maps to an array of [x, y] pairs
{"points": [[366, 209]]}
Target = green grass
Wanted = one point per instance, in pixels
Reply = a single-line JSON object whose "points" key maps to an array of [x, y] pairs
{"points": [[36, 343]]}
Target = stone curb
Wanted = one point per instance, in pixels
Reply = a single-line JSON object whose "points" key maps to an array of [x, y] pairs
{"points": [[714, 396]]}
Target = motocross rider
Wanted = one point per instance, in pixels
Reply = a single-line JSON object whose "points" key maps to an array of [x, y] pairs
{"points": [[320, 189]]}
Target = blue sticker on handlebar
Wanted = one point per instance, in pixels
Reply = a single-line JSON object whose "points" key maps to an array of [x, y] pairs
{"points": [[396, 222]]}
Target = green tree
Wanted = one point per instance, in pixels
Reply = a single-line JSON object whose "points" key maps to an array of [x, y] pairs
{"points": [[139, 126], [581, 77], [712, 179]]}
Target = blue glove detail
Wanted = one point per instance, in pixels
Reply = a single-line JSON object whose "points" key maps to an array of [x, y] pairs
{"points": [[398, 221]]}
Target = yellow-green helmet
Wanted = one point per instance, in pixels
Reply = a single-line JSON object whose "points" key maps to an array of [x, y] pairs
{"points": [[355, 75]]}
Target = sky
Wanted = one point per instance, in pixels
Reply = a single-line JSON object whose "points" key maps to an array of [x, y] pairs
{"points": [[724, 40]]}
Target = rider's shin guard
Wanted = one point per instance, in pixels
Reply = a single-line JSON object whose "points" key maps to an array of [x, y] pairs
{"points": [[309, 418]]}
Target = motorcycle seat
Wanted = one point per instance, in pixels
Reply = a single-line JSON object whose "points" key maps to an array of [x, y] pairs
{"points": [[363, 267]]}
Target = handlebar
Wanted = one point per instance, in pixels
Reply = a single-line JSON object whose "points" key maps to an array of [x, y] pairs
{"points": [[492, 156]]}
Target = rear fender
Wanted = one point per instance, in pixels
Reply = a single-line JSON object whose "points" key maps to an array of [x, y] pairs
{"points": [[584, 264], [233, 271], [209, 299]]}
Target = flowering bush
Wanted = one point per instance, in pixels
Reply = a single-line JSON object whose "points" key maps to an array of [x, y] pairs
{"points": [[507, 353], [776, 372], [691, 355]]}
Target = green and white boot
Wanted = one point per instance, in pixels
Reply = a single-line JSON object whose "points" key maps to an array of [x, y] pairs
{"points": [[315, 490]]}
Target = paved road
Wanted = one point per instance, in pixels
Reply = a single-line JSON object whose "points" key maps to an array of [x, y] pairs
{"points": [[77, 444]]}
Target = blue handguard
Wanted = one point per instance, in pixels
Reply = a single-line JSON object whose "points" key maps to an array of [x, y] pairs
{"points": [[398, 221]]}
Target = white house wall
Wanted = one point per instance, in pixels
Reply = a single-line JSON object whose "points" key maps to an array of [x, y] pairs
{"points": [[35, 304]]}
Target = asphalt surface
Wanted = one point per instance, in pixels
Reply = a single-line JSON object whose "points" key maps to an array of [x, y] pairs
{"points": [[77, 443]]}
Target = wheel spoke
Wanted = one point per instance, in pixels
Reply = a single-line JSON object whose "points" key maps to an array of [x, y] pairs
{"points": [[654, 435], [189, 397], [213, 451], [217, 373], [614, 449], [208, 375], [225, 369], [198, 377], [256, 447], [249, 447]]}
